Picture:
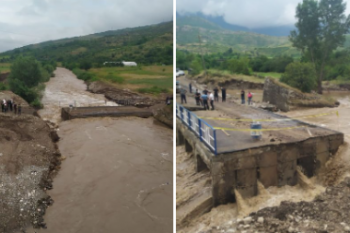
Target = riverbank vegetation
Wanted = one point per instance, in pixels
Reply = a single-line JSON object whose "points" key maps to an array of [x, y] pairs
{"points": [[154, 79], [26, 79]]}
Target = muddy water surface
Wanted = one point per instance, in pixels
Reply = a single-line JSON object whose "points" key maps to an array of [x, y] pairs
{"points": [[117, 172], [64, 90]]}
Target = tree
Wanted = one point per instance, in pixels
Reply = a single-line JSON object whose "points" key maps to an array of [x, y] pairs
{"points": [[300, 75], [321, 28], [85, 65], [26, 74], [26, 70]]}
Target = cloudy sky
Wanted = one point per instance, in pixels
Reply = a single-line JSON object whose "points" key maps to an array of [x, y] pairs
{"points": [[24, 22], [248, 13]]}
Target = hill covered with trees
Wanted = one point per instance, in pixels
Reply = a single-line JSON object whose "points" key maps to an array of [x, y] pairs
{"points": [[145, 45]]}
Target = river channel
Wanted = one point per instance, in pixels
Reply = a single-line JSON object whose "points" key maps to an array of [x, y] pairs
{"points": [[116, 174]]}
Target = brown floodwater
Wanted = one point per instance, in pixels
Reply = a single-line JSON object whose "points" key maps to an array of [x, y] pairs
{"points": [[117, 173]]}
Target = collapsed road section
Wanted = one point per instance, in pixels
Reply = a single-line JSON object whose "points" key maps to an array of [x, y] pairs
{"points": [[222, 142], [29, 158]]}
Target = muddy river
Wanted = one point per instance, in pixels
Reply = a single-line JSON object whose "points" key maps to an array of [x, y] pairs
{"points": [[116, 175]]}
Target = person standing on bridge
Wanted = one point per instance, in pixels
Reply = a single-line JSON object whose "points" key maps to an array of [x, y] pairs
{"points": [[197, 97], [223, 94], [183, 95], [216, 94], [242, 97], [205, 101], [211, 99], [250, 96], [15, 107]]}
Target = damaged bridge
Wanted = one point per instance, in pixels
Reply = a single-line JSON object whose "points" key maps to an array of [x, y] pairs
{"points": [[221, 142]]}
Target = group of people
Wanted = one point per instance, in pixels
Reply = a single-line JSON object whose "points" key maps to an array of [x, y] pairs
{"points": [[250, 96], [204, 99], [10, 106], [208, 97]]}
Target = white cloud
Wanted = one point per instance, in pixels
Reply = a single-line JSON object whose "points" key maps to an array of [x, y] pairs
{"points": [[25, 22], [248, 13]]}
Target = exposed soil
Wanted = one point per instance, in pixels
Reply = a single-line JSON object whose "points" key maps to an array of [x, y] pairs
{"points": [[29, 159], [123, 96], [229, 83]]}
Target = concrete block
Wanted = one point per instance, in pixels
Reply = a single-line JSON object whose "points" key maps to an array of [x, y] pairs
{"points": [[267, 159], [222, 189], [287, 174], [308, 148], [246, 177], [287, 154], [246, 162], [322, 145], [334, 143], [268, 176], [217, 169]]}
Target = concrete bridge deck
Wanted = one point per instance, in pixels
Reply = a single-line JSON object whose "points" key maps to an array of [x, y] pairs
{"points": [[104, 111], [228, 115], [241, 161]]}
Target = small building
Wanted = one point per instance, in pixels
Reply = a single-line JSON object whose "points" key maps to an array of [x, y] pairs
{"points": [[129, 63]]}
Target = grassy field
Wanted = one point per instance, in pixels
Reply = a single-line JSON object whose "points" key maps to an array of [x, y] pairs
{"points": [[146, 79], [224, 74], [269, 74], [5, 67]]}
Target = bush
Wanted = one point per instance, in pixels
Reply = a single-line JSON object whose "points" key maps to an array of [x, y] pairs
{"points": [[85, 65], [3, 86], [300, 75], [36, 104]]}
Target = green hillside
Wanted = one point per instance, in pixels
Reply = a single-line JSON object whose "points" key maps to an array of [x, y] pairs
{"points": [[145, 45], [215, 39]]}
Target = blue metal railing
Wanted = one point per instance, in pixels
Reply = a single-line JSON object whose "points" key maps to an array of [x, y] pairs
{"points": [[202, 129]]}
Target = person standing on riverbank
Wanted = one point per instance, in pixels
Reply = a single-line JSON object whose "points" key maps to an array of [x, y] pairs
{"points": [[242, 97], [223, 94], [190, 87]]}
